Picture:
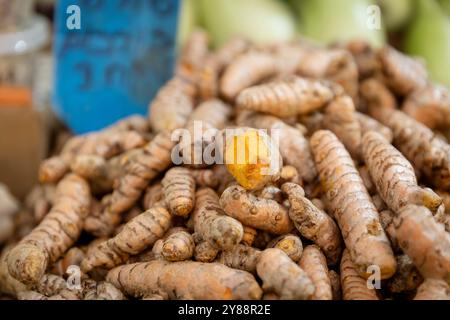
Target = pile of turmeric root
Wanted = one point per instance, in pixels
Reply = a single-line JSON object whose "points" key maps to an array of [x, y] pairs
{"points": [[357, 207]]}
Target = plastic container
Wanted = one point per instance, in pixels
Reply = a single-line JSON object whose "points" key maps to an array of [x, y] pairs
{"points": [[17, 60], [15, 13], [114, 64]]}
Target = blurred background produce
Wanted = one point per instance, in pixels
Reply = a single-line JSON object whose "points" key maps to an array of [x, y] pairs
{"points": [[418, 27], [29, 127]]}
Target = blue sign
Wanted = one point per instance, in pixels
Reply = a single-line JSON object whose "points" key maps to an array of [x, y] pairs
{"points": [[111, 56]]}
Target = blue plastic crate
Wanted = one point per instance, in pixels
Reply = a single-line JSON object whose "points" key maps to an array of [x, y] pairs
{"points": [[115, 63]]}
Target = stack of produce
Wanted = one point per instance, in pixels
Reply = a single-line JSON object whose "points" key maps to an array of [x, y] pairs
{"points": [[342, 192]]}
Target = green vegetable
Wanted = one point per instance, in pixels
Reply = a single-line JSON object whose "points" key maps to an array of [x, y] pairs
{"points": [[396, 13], [186, 22], [263, 21], [328, 21], [445, 4], [429, 37]]}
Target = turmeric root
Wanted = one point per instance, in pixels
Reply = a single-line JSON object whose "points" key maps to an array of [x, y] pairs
{"points": [[153, 195], [50, 285], [283, 276], [249, 236], [205, 252], [377, 201], [31, 295], [101, 221], [196, 49], [212, 113], [289, 244], [246, 70], [54, 168], [29, 260], [228, 52], [241, 257], [375, 95], [351, 206], [178, 246], [8, 284], [185, 280], [394, 176], [433, 289], [73, 257], [313, 121], [292, 96], [101, 173], [430, 106], [109, 143], [293, 146], [354, 287], [205, 178], [336, 65], [136, 235], [335, 281], [340, 117], [313, 223], [252, 158], [179, 191], [290, 174], [365, 57], [154, 158], [367, 180], [104, 291], [203, 124], [211, 223], [172, 106], [424, 240], [407, 278], [427, 153], [40, 200], [402, 73], [369, 124], [271, 192], [257, 213], [313, 262], [387, 222]]}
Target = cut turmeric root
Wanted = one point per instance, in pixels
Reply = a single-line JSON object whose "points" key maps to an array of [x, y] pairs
{"points": [[294, 147], [252, 158]]}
